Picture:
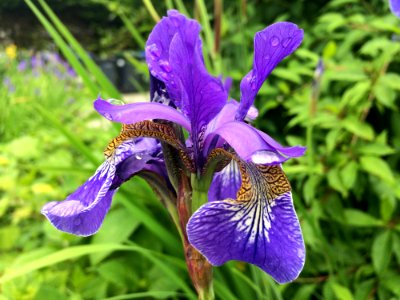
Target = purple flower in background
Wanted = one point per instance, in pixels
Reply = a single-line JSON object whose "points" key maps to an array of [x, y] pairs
{"points": [[250, 214], [395, 7], [22, 65]]}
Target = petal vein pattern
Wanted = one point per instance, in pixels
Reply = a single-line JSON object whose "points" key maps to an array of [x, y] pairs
{"points": [[259, 227]]}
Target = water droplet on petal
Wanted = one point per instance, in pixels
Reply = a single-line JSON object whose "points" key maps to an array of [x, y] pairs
{"points": [[267, 57], [286, 42], [163, 75], [253, 83], [108, 116], [172, 84], [116, 101], [138, 157], [165, 66], [274, 41], [77, 221], [154, 51]]}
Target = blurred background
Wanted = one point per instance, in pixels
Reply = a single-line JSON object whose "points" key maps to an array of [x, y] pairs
{"points": [[338, 95]]}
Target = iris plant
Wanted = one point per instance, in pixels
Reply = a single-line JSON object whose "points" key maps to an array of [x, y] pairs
{"points": [[195, 146]]}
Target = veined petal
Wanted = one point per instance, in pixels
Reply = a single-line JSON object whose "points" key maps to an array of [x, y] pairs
{"points": [[174, 56], [83, 212], [271, 45], [158, 47], [395, 7], [256, 150], [203, 95], [137, 112], [260, 227], [225, 183]]}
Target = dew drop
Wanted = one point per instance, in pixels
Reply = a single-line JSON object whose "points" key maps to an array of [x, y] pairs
{"points": [[286, 42], [115, 101], [165, 66], [267, 57], [138, 157], [172, 84], [274, 41], [253, 83], [163, 75], [77, 221], [108, 116], [154, 51]]}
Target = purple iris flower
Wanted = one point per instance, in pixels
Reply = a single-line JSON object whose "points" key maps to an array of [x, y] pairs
{"points": [[250, 215], [395, 7]]}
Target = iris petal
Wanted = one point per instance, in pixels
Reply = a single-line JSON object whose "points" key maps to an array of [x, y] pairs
{"points": [[395, 7], [258, 150], [174, 56], [271, 45], [260, 227], [83, 212], [137, 112], [225, 183]]}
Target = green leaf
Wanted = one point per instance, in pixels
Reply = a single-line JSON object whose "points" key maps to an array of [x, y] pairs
{"points": [[359, 128], [375, 149], [355, 94], [392, 80], [358, 218], [387, 207], [349, 174], [378, 167], [342, 292], [287, 74], [329, 50], [381, 251], [384, 94], [335, 181]]}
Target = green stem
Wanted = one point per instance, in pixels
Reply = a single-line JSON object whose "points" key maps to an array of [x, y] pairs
{"points": [[200, 191]]}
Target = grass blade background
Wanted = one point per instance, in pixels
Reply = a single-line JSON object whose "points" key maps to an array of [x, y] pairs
{"points": [[105, 84]]}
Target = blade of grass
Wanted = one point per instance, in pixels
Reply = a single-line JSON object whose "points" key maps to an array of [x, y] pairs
{"points": [[243, 278], [171, 242], [151, 294], [223, 292], [78, 251], [101, 78], [205, 22], [182, 8], [152, 11], [81, 147], [132, 30], [66, 51]]}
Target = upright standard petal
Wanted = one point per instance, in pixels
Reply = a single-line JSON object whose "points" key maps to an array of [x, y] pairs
{"points": [[260, 227], [83, 212], [271, 45], [174, 56], [158, 47]]}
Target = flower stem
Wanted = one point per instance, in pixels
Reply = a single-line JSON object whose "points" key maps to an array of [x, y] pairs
{"points": [[200, 270]]}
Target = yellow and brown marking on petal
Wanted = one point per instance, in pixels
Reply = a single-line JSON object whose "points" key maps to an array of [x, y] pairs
{"points": [[150, 129], [258, 181]]}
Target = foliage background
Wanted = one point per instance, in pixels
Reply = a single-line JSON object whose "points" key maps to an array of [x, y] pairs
{"points": [[346, 189]]}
